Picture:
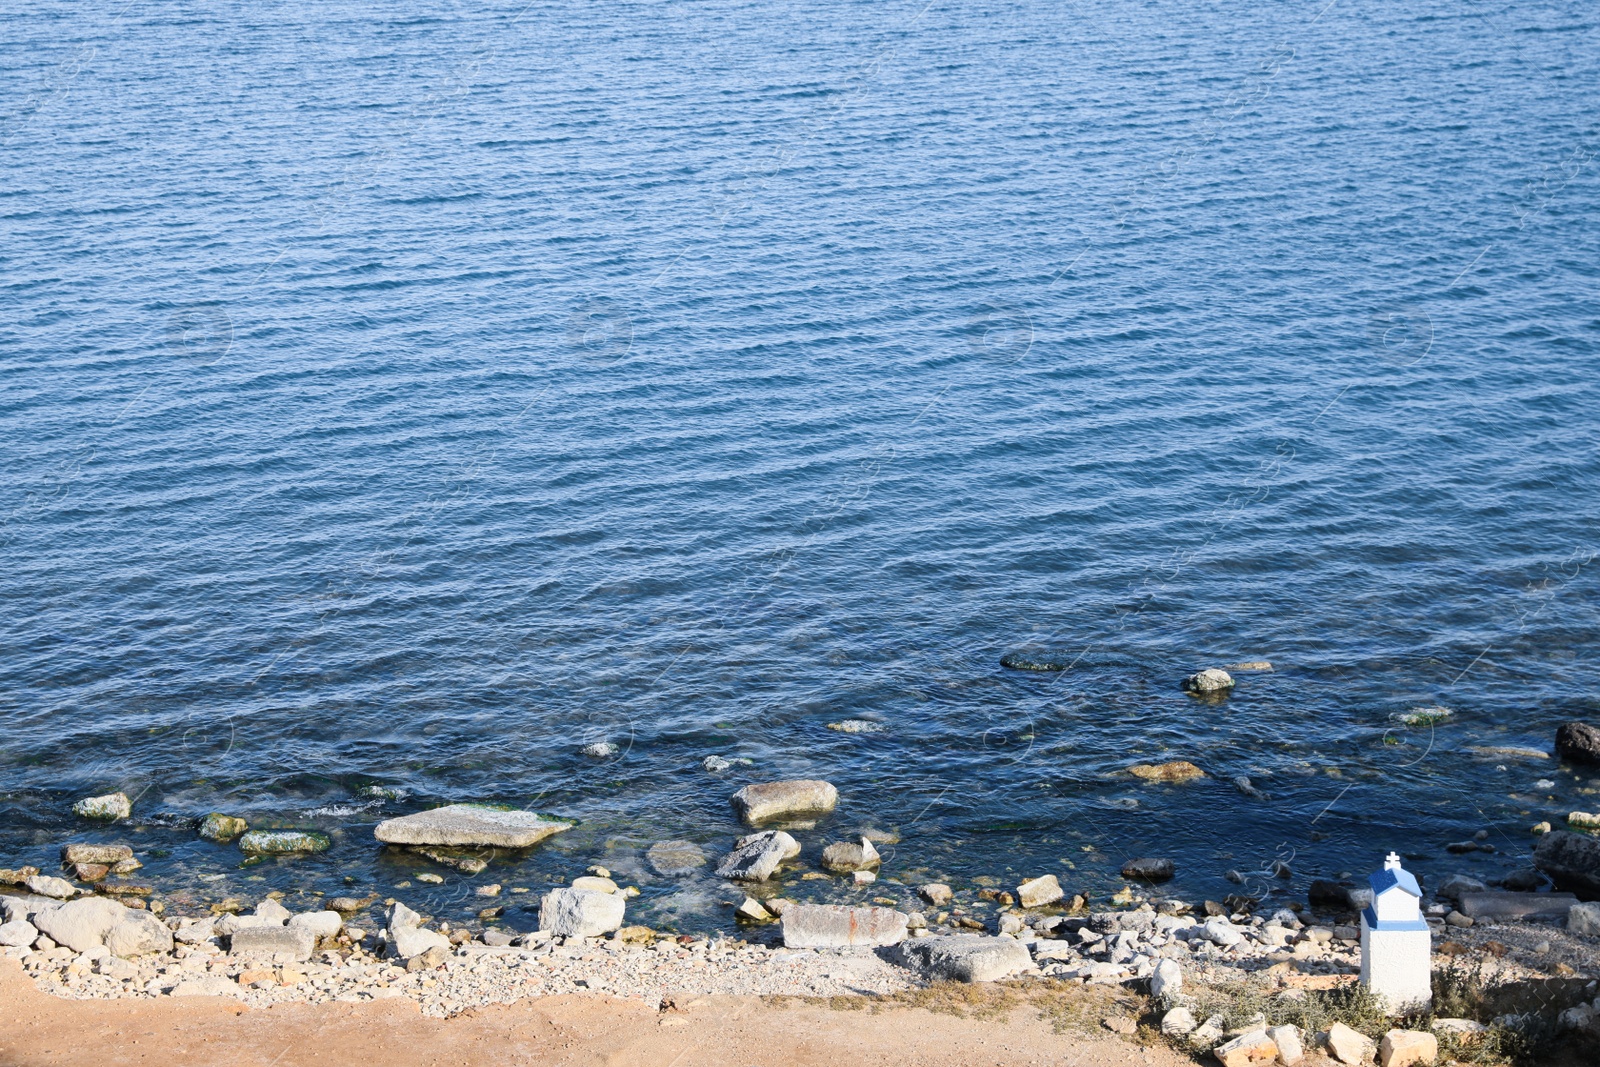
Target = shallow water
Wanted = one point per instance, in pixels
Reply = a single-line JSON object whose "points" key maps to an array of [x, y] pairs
{"points": [[410, 401]]}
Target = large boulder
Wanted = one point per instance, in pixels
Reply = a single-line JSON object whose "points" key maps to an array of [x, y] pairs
{"points": [[1571, 860], [580, 912], [839, 926], [1578, 742], [80, 924], [138, 933], [775, 800], [967, 957], [470, 824], [754, 858]]}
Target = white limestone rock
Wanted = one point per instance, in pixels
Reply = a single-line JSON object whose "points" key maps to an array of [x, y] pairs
{"points": [[967, 957], [772, 800], [840, 926], [581, 912], [755, 857], [46, 885], [470, 825], [80, 925], [19, 933], [322, 924], [138, 933], [110, 807]]}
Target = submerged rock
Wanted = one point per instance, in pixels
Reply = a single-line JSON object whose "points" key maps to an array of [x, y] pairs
{"points": [[1149, 869], [599, 750], [673, 859], [772, 800], [104, 855], [222, 828], [845, 856], [1210, 680], [1037, 661], [111, 806], [1578, 742], [856, 726], [283, 842], [755, 857], [1250, 665], [455, 859], [470, 824], [1175, 771], [1244, 785], [936, 893], [580, 912], [838, 926]]}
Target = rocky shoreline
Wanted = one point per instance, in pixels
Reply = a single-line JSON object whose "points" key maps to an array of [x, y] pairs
{"points": [[103, 936]]}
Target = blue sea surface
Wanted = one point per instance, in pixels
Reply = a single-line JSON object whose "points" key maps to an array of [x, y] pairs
{"points": [[395, 399]]}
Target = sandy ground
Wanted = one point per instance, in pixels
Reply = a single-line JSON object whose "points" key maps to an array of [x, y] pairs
{"points": [[38, 1030]]}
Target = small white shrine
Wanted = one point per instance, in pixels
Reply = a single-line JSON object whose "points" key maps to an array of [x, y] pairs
{"points": [[1395, 941]]}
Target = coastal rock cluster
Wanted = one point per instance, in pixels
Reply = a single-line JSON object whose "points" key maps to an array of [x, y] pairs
{"points": [[102, 937]]}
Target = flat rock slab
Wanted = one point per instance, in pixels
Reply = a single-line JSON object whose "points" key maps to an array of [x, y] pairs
{"points": [[296, 941], [839, 926], [775, 800], [967, 958], [1516, 905], [469, 824]]}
